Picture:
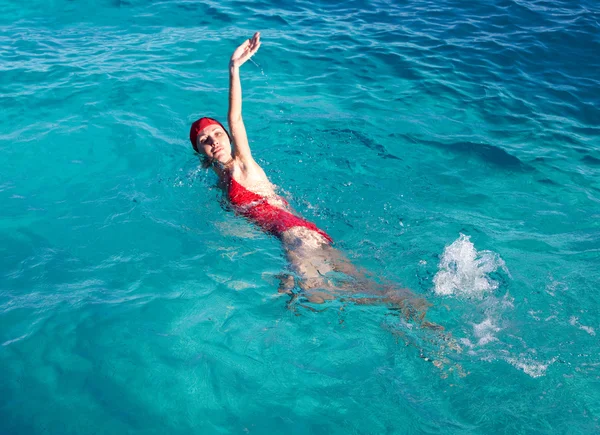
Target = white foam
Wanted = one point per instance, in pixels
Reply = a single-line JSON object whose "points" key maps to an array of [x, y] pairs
{"points": [[535, 369], [587, 329], [575, 322], [463, 271], [485, 331]]}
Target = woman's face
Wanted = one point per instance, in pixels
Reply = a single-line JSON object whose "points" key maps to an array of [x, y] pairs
{"points": [[214, 143]]}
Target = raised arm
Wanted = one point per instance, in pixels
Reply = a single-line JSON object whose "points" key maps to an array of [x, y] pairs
{"points": [[236, 123]]}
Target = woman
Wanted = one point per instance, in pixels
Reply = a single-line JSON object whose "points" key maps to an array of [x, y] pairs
{"points": [[308, 249]]}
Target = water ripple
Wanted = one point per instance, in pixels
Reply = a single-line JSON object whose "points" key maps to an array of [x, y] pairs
{"points": [[396, 126]]}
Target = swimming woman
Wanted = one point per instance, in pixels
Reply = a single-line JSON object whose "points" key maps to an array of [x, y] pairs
{"points": [[308, 249]]}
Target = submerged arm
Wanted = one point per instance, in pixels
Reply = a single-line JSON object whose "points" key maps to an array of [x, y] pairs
{"points": [[236, 123]]}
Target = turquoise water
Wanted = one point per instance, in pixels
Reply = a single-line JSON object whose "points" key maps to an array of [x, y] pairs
{"points": [[450, 147]]}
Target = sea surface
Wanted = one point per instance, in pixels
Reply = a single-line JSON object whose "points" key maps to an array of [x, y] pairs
{"points": [[450, 147]]}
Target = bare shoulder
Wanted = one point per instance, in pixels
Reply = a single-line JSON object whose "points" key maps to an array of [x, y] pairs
{"points": [[248, 172], [253, 177]]}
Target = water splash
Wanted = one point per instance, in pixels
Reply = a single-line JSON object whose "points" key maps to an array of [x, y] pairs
{"points": [[262, 71], [529, 366], [486, 331], [574, 321], [464, 271]]}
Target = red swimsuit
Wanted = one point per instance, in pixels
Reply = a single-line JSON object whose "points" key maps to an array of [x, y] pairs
{"points": [[270, 218]]}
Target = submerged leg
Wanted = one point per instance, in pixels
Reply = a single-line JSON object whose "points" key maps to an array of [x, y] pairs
{"points": [[313, 263], [286, 283], [315, 268], [412, 308]]}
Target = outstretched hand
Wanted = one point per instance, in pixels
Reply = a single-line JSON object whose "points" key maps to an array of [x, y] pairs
{"points": [[245, 51]]}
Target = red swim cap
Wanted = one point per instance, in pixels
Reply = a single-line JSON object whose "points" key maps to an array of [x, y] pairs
{"points": [[200, 125]]}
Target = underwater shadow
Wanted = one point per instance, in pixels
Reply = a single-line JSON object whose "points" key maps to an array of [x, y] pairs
{"points": [[488, 153], [378, 148]]}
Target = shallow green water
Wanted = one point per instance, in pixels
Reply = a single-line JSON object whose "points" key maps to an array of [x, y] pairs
{"points": [[453, 149]]}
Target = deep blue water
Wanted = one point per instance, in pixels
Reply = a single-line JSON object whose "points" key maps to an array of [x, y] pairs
{"points": [[449, 147]]}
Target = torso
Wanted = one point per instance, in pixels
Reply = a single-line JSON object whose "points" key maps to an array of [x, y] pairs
{"points": [[253, 178], [247, 185]]}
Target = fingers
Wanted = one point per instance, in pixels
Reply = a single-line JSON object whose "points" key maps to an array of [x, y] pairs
{"points": [[253, 49], [245, 44], [250, 43], [249, 52], [255, 41], [246, 50]]}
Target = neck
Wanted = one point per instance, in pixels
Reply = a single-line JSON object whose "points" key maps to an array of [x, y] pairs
{"points": [[222, 168]]}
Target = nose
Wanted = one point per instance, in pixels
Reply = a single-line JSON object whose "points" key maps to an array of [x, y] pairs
{"points": [[212, 141]]}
